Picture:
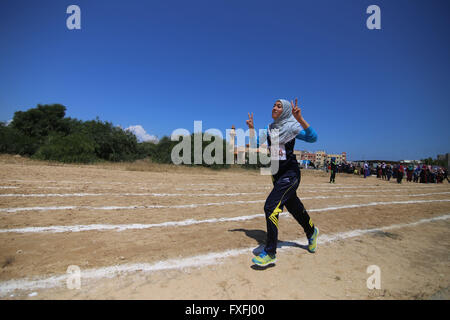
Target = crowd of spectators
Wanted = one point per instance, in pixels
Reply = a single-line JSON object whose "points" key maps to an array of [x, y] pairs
{"points": [[419, 173]]}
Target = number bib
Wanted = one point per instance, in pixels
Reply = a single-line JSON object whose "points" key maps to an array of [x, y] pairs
{"points": [[279, 153]]}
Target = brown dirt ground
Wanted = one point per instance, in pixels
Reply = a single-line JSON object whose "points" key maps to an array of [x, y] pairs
{"points": [[414, 260]]}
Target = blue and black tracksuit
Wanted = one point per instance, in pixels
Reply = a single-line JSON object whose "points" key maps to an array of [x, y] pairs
{"points": [[285, 184]]}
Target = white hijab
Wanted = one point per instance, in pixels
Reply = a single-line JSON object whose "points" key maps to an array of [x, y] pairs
{"points": [[288, 127]]}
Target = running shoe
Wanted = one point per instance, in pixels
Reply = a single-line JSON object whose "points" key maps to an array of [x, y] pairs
{"points": [[264, 259], [313, 241]]}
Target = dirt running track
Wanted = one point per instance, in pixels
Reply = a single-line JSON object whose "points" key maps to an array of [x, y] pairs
{"points": [[160, 232]]}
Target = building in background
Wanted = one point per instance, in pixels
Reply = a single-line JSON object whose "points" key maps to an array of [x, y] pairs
{"points": [[320, 158], [340, 158], [445, 158], [310, 156]]}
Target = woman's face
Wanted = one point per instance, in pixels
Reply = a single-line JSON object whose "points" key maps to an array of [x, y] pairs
{"points": [[277, 110]]}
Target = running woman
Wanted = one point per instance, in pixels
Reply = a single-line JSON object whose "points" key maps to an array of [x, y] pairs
{"points": [[288, 120]]}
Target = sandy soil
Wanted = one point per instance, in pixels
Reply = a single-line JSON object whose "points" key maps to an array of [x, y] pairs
{"points": [[413, 258]]}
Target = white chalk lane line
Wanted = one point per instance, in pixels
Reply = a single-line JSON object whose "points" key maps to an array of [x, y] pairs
{"points": [[131, 207], [103, 194], [187, 222], [203, 260], [151, 184], [186, 206], [122, 194], [43, 195]]}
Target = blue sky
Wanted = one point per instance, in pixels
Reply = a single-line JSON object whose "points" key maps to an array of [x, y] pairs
{"points": [[163, 64]]}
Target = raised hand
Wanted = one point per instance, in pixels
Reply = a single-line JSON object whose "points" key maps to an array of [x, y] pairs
{"points": [[250, 121], [296, 111]]}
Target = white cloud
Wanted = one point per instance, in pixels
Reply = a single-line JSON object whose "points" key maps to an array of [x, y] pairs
{"points": [[8, 122], [141, 134]]}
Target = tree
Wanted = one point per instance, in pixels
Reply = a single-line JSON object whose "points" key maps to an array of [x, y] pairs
{"points": [[39, 122]]}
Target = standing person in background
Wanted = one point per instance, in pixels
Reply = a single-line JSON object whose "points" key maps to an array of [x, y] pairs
{"points": [[433, 175], [409, 173], [388, 172], [333, 170], [440, 176], [400, 173], [446, 175], [383, 171], [429, 174], [366, 170], [423, 174], [416, 174]]}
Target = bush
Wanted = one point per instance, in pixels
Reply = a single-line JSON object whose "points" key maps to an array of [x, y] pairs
{"points": [[76, 147], [146, 149], [15, 142], [111, 143], [163, 150]]}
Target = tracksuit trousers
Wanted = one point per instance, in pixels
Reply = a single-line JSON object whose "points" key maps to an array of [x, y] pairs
{"points": [[284, 195], [332, 176]]}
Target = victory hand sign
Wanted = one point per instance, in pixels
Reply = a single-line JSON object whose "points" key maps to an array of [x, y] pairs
{"points": [[297, 113], [250, 121]]}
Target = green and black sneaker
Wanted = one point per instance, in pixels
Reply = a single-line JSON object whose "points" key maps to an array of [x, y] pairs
{"points": [[312, 242], [264, 259]]}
